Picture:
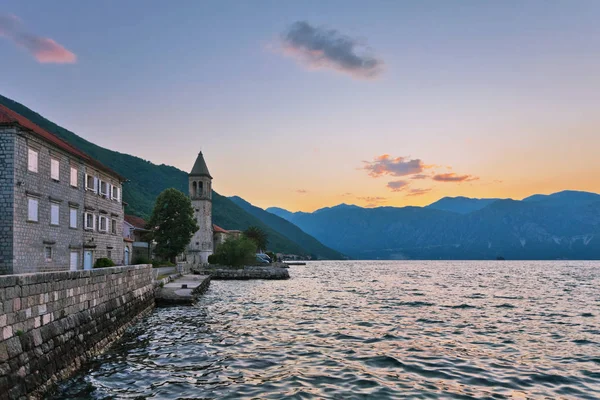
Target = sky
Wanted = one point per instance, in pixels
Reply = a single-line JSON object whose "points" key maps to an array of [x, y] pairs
{"points": [[309, 104]]}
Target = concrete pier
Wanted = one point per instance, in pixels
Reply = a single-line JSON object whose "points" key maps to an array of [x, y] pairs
{"points": [[183, 290]]}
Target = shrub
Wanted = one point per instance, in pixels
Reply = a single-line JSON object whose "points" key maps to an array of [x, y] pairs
{"points": [[236, 252], [104, 263], [141, 260], [272, 256], [213, 259]]}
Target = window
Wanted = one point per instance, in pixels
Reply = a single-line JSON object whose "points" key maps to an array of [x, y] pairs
{"points": [[88, 221], [32, 160], [73, 176], [54, 211], [103, 224], [32, 209], [113, 226], [48, 253], [115, 193], [103, 188], [91, 182], [54, 169], [108, 254], [73, 218]]}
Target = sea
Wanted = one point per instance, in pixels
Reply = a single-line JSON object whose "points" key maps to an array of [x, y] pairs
{"points": [[368, 330]]}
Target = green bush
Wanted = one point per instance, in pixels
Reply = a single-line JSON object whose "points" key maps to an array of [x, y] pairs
{"points": [[236, 252], [104, 263], [213, 259], [272, 256], [158, 263], [141, 260]]}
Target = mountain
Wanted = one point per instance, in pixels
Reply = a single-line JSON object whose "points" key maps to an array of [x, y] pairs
{"points": [[461, 205], [562, 225], [147, 180], [289, 230]]}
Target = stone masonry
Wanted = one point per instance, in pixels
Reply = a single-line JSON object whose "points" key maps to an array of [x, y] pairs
{"points": [[7, 146], [40, 245], [50, 323]]}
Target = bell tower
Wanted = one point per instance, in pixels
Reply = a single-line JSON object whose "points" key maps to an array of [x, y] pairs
{"points": [[200, 191]]}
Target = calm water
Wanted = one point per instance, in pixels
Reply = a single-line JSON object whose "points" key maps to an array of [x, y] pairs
{"points": [[345, 330]]}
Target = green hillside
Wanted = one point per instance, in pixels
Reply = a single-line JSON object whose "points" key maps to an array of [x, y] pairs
{"points": [[290, 230], [146, 180]]}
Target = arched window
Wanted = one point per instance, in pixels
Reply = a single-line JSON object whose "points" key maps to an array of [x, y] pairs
{"points": [[194, 189], [200, 191]]}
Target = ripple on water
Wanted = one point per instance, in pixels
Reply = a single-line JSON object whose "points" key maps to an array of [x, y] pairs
{"points": [[363, 330]]}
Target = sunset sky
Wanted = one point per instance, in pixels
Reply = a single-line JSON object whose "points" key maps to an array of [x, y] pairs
{"points": [[309, 104]]}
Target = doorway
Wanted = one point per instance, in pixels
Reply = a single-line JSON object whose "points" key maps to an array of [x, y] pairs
{"points": [[87, 259], [74, 261]]}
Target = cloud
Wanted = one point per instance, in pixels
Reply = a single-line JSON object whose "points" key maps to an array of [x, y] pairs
{"points": [[418, 192], [318, 47], [397, 186], [45, 50], [347, 194], [453, 177], [373, 201], [399, 166], [420, 176], [301, 191]]}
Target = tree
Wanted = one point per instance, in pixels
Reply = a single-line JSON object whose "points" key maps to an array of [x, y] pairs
{"points": [[236, 252], [258, 236], [172, 223]]}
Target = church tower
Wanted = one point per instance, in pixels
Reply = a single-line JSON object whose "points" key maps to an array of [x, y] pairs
{"points": [[200, 190]]}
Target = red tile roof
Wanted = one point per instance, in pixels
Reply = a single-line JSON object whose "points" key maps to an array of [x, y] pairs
{"points": [[9, 117], [137, 222], [217, 228]]}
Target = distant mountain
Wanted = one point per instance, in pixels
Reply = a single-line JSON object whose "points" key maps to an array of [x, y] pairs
{"points": [[146, 180], [461, 205], [565, 198], [562, 225], [289, 230]]}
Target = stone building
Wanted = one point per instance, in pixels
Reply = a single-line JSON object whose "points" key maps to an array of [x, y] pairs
{"points": [[134, 229], [200, 191], [59, 208], [220, 235]]}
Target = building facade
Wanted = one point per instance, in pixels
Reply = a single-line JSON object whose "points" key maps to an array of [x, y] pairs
{"points": [[59, 208], [200, 192]]}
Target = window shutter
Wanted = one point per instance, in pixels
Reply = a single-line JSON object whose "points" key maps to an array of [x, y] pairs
{"points": [[54, 169], [32, 160], [96, 181], [118, 194], [73, 176]]}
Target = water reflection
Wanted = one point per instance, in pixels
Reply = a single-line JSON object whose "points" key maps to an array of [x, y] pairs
{"points": [[345, 330]]}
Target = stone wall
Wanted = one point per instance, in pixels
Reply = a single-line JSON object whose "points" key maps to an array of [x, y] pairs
{"points": [[7, 145], [218, 272], [50, 323], [32, 237]]}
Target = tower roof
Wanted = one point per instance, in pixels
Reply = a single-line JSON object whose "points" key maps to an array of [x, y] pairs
{"points": [[200, 168]]}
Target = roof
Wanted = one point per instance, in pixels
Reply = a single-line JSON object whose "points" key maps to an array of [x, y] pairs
{"points": [[217, 228], [137, 222], [10, 117], [200, 168]]}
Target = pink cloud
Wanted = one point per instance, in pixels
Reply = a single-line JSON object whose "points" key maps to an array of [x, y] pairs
{"points": [[301, 191], [453, 177], [418, 192], [373, 201], [397, 186], [45, 50], [399, 166]]}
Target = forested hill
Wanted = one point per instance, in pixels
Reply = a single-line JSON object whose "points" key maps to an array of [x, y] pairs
{"points": [[146, 180]]}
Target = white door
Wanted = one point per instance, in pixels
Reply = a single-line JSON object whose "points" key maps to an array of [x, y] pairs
{"points": [[87, 259], [74, 261], [126, 255]]}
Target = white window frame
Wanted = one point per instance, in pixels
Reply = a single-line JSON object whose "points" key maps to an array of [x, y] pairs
{"points": [[74, 176], [33, 157], [105, 220], [54, 221], [94, 187], [86, 226], [48, 253], [73, 217], [106, 187], [54, 168], [33, 214]]}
